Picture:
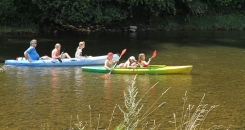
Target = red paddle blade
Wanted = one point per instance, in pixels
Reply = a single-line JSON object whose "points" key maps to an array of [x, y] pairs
{"points": [[123, 51], [105, 75], [154, 54]]}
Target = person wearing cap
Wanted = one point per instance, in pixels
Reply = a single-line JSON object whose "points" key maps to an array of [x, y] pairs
{"points": [[109, 63], [31, 53], [142, 62], [130, 63]]}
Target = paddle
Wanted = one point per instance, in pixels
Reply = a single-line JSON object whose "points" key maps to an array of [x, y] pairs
{"points": [[123, 51], [59, 59], [153, 55]]}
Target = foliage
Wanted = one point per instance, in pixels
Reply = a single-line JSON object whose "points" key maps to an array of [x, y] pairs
{"points": [[17, 13], [78, 11], [41, 13], [132, 116], [193, 118]]}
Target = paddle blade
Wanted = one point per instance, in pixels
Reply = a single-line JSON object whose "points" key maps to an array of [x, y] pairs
{"points": [[105, 75], [123, 51], [154, 54]]}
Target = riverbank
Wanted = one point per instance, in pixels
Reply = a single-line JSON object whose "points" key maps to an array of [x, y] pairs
{"points": [[219, 22]]}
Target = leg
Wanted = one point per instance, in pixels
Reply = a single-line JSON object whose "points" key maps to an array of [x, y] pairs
{"points": [[65, 55], [45, 58]]}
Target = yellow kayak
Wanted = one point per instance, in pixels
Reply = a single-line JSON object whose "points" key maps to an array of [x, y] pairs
{"points": [[152, 70]]}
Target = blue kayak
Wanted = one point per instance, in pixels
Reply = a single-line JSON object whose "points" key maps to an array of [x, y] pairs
{"points": [[95, 60]]}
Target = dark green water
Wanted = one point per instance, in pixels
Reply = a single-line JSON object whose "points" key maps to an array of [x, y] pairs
{"points": [[53, 97]]}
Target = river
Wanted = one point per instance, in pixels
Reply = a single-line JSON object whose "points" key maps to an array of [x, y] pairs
{"points": [[54, 97]]}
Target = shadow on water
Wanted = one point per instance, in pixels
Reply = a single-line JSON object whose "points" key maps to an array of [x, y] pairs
{"points": [[13, 46]]}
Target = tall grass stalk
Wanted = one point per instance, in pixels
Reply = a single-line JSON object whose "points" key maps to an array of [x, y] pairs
{"points": [[153, 126], [193, 121], [90, 115], [98, 122], [70, 122], [112, 117], [44, 126], [131, 114], [80, 125]]}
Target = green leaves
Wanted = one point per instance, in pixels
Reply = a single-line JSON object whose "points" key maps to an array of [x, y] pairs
{"points": [[77, 12]]}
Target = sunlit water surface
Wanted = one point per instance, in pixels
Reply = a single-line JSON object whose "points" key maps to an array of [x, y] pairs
{"points": [[53, 97]]}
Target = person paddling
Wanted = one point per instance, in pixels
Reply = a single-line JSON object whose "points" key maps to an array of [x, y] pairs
{"points": [[142, 62], [109, 63]]}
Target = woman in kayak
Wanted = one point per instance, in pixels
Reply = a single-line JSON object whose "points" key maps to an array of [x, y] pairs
{"points": [[130, 63], [79, 51], [56, 52], [109, 63], [142, 62]]}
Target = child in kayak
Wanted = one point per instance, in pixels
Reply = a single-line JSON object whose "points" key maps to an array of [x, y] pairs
{"points": [[80, 47], [130, 63], [79, 51], [56, 53], [142, 62], [109, 63]]}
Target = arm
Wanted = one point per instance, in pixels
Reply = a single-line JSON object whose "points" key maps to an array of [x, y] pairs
{"points": [[147, 63], [106, 65], [79, 55], [27, 57]]}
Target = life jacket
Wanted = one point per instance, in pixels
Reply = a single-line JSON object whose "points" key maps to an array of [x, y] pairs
{"points": [[143, 66]]}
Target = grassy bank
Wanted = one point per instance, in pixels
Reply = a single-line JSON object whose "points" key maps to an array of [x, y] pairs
{"points": [[29, 28], [217, 22]]}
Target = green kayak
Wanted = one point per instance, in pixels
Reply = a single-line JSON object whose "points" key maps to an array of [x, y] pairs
{"points": [[153, 70]]}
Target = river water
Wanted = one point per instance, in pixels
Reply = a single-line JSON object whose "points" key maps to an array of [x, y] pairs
{"points": [[54, 97]]}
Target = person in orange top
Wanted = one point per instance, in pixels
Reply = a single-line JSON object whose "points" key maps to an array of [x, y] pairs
{"points": [[56, 53], [142, 62]]}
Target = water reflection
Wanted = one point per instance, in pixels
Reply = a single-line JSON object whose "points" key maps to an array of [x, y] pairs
{"points": [[108, 91]]}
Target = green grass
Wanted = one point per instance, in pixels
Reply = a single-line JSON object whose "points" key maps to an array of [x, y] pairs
{"points": [[218, 22], [30, 28]]}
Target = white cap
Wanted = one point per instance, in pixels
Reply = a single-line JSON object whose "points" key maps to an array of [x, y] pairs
{"points": [[132, 58]]}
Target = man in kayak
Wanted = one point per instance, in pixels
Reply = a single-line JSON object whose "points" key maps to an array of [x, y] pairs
{"points": [[31, 53]]}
